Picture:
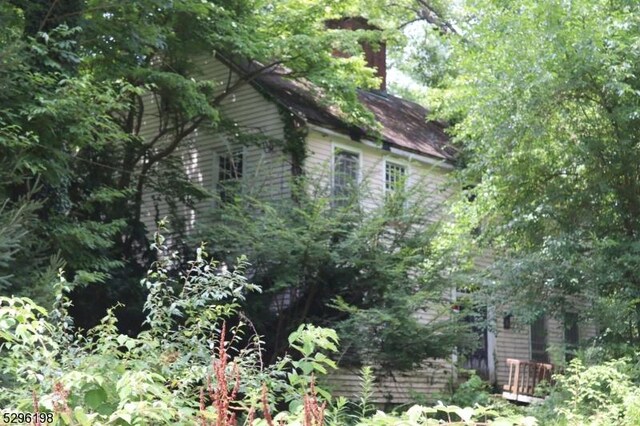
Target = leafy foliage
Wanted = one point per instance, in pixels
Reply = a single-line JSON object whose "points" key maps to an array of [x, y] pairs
{"points": [[36, 166], [363, 270], [473, 391], [418, 415], [544, 97], [79, 80], [595, 394], [107, 377]]}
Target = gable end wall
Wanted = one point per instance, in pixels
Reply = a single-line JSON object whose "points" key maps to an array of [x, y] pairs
{"points": [[269, 170]]}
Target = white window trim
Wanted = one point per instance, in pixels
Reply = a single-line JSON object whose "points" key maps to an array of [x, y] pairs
{"points": [[349, 148], [399, 162], [491, 345], [411, 156]]}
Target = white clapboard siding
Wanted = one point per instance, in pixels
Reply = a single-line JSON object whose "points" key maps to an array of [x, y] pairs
{"points": [[271, 172], [403, 387], [436, 375], [431, 179], [516, 341], [264, 169]]}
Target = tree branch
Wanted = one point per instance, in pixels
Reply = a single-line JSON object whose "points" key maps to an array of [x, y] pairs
{"points": [[247, 78], [48, 15], [429, 14]]}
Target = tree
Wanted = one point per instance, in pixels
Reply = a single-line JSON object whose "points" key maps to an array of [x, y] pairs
{"points": [[75, 76], [545, 101], [46, 118], [366, 272]]}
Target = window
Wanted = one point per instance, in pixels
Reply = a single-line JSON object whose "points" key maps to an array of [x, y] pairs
{"points": [[571, 334], [477, 360], [539, 340], [229, 175], [394, 176], [346, 174]]}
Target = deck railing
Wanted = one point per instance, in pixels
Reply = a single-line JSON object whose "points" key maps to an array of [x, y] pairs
{"points": [[524, 376]]}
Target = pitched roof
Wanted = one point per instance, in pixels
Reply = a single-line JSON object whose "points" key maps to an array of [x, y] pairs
{"points": [[403, 123]]}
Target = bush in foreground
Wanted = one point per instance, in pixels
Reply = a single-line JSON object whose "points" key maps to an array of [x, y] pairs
{"points": [[188, 367], [605, 393]]}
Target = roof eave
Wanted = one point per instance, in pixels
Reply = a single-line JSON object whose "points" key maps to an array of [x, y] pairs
{"points": [[446, 163]]}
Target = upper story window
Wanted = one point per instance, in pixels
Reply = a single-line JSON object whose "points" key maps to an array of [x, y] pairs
{"points": [[395, 176], [346, 174], [230, 168]]}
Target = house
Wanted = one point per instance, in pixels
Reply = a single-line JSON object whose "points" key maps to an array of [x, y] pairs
{"points": [[406, 146]]}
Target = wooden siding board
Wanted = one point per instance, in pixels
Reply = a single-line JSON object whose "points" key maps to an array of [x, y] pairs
{"points": [[515, 342], [436, 375]]}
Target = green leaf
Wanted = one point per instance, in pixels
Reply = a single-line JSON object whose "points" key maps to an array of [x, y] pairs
{"points": [[95, 398], [465, 413], [122, 339], [81, 416], [307, 367]]}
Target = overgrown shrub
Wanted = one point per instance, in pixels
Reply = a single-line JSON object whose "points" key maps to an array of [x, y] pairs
{"points": [[195, 364], [418, 415], [472, 391], [187, 365], [361, 269], [601, 394]]}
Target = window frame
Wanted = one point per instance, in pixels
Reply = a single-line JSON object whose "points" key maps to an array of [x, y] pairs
{"points": [[396, 162], [348, 148], [545, 327], [227, 151]]}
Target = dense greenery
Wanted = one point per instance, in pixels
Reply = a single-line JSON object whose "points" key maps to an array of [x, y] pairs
{"points": [[81, 78], [190, 367], [596, 394], [360, 270], [200, 362], [544, 97], [74, 161]]}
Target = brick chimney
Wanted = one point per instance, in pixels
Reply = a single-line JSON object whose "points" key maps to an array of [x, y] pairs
{"points": [[376, 59]]}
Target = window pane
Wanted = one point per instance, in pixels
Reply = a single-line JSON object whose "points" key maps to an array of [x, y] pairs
{"points": [[229, 175], [394, 176], [230, 166], [571, 334], [346, 169]]}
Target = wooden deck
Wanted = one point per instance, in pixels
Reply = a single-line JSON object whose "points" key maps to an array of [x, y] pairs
{"points": [[524, 376]]}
